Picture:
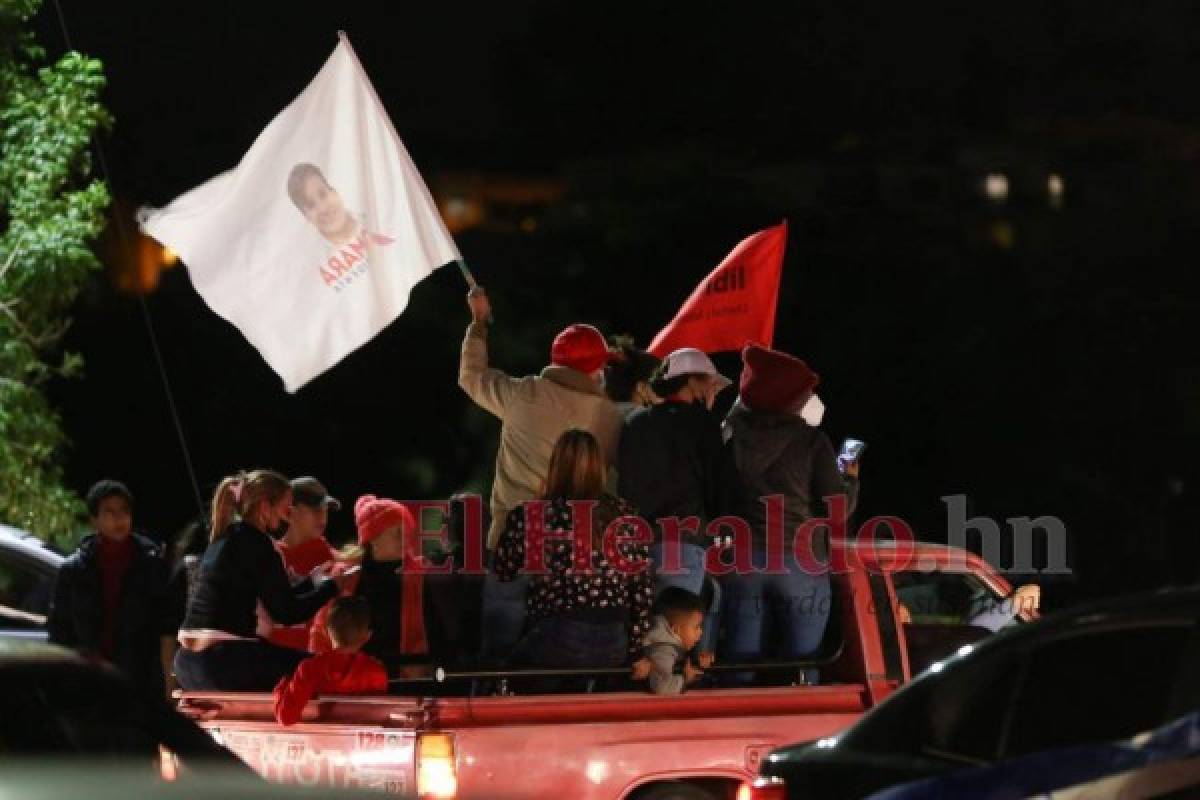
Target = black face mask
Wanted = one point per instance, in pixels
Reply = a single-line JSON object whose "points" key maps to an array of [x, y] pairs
{"points": [[711, 412]]}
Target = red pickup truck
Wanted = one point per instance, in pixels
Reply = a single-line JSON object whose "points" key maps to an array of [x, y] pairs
{"points": [[701, 744]]}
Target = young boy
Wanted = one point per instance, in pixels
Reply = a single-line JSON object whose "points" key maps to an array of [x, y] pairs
{"points": [[343, 670], [110, 598], [676, 630], [304, 548]]}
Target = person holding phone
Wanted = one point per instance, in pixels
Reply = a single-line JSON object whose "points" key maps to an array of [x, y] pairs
{"points": [[779, 449], [376, 570], [847, 460], [220, 647]]}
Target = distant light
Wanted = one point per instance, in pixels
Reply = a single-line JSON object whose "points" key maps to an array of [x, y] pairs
{"points": [[169, 257], [456, 207], [995, 186], [1002, 234], [529, 225], [1055, 189]]}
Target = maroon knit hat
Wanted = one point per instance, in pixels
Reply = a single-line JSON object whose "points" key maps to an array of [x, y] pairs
{"points": [[374, 515], [775, 381], [580, 347]]}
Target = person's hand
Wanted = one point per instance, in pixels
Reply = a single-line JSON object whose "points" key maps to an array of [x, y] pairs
{"points": [[1027, 598], [641, 669], [344, 578], [481, 307], [705, 659], [691, 673]]}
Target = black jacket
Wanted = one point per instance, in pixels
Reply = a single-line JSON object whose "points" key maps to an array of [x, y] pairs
{"points": [[671, 463], [241, 568], [77, 618], [782, 454]]}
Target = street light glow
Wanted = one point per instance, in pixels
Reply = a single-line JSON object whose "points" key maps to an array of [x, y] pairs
{"points": [[995, 186]]}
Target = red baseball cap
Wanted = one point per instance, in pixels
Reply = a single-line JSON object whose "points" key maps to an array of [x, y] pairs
{"points": [[580, 347]]}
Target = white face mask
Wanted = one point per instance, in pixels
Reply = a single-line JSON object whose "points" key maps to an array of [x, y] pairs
{"points": [[813, 411]]}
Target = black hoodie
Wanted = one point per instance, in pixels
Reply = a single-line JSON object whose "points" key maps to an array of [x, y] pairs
{"points": [[671, 463], [782, 454]]}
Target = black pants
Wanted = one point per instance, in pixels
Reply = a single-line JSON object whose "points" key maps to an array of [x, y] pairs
{"points": [[236, 666], [562, 642]]}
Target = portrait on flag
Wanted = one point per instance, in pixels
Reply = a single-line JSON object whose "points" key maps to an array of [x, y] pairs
{"points": [[351, 243], [313, 243]]}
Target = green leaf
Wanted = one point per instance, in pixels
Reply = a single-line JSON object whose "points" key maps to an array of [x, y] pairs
{"points": [[51, 211]]}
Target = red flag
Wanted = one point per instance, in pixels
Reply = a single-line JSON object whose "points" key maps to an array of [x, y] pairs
{"points": [[735, 304]]}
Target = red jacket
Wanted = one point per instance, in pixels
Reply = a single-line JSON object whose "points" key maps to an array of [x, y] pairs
{"points": [[300, 561], [329, 673]]}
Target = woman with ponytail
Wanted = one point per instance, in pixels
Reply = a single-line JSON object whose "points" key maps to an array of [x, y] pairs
{"points": [[220, 649]]}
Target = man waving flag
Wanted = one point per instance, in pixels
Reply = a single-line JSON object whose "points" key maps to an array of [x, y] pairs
{"points": [[312, 244]]}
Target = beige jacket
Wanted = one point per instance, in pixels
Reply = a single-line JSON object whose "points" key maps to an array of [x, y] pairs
{"points": [[534, 411]]}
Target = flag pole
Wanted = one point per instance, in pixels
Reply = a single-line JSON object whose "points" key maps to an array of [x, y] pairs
{"points": [[466, 273]]}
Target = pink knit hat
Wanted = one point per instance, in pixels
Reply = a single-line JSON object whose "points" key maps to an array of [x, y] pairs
{"points": [[374, 515]]}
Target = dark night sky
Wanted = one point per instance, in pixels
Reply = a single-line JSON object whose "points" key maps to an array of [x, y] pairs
{"points": [[1038, 377]]}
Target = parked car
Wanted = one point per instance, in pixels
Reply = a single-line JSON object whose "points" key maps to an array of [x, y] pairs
{"points": [[55, 703], [1097, 674], [28, 568], [1148, 765]]}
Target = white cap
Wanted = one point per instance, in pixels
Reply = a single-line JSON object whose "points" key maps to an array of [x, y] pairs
{"points": [[690, 361]]}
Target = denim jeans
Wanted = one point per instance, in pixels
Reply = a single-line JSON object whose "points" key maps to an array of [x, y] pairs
{"points": [[502, 620], [560, 642], [788, 610], [691, 577], [236, 666]]}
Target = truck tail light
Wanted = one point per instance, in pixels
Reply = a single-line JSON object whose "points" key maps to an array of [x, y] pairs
{"points": [[437, 774], [168, 766], [763, 788]]}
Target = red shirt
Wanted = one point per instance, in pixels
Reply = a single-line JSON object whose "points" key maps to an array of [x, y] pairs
{"points": [[114, 558], [299, 562], [329, 673]]}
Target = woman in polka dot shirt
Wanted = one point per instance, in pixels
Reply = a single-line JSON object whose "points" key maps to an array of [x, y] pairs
{"points": [[590, 609]]}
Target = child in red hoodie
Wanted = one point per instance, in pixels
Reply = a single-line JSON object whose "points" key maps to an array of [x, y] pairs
{"points": [[343, 670]]}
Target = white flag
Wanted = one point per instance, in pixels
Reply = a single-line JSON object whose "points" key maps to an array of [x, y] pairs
{"points": [[312, 244]]}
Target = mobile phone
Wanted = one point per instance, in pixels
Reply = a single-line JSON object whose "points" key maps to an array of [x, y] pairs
{"points": [[851, 450]]}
